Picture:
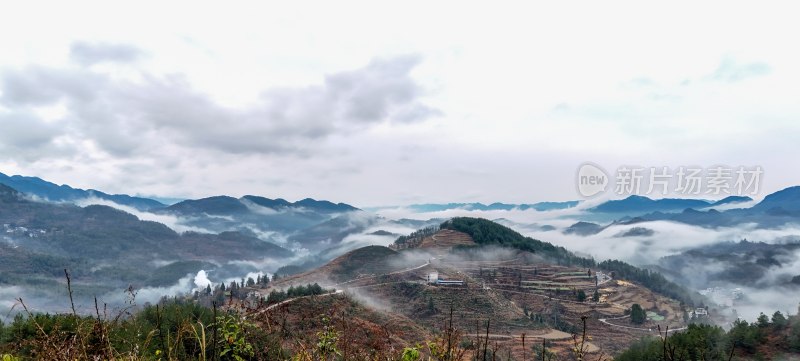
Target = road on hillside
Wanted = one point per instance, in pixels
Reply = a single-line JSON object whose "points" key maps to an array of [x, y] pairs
{"points": [[336, 292], [553, 335], [605, 320], [427, 263]]}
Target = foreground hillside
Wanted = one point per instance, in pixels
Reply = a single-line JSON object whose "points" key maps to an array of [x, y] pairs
{"points": [[339, 327]]}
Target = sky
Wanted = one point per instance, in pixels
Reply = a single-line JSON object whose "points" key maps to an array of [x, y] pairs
{"points": [[391, 103]]}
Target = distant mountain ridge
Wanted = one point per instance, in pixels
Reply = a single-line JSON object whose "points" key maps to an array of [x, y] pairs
{"points": [[776, 210], [307, 221], [252, 213], [731, 200], [41, 188], [497, 206], [40, 239], [634, 204], [787, 199]]}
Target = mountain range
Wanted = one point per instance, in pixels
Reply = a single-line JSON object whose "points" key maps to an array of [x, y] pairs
{"points": [[48, 191], [638, 204], [106, 247], [540, 206]]}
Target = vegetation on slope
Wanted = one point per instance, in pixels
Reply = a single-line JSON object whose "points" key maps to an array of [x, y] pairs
{"points": [[650, 279], [764, 339], [365, 260], [486, 232], [105, 246], [415, 238]]}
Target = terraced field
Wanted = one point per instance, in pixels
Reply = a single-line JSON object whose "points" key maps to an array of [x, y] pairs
{"points": [[447, 239]]}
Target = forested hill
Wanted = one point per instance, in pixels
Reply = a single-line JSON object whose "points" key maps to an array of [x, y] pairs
{"points": [[486, 232], [104, 246]]}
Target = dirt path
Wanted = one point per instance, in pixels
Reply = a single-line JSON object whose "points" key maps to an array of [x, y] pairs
{"points": [[605, 320], [289, 301], [428, 263], [551, 335]]}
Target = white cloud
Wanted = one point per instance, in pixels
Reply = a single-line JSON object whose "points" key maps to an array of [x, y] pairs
{"points": [[177, 224]]}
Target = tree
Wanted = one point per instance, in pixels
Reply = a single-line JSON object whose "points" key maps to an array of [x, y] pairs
{"points": [[779, 321], [596, 296], [763, 320], [745, 336], [581, 296], [638, 316]]}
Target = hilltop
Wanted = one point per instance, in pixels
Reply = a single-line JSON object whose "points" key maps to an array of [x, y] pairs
{"points": [[486, 271]]}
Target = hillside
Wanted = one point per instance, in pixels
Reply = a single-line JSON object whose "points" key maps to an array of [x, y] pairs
{"points": [[312, 224], [107, 249], [487, 284], [486, 271], [447, 239], [368, 260], [43, 189], [737, 264], [485, 232], [362, 262], [775, 337]]}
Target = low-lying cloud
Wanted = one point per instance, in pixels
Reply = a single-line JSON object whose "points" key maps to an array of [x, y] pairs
{"points": [[176, 223]]}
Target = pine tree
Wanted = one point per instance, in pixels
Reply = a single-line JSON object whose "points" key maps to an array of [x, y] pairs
{"points": [[581, 296], [779, 321], [638, 316]]}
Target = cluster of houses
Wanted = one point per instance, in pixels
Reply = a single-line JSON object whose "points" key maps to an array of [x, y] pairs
{"points": [[700, 312], [434, 279]]}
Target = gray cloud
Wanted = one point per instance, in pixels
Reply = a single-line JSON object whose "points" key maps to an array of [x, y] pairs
{"points": [[85, 53], [37, 85], [122, 117], [27, 138], [28, 131], [380, 90]]}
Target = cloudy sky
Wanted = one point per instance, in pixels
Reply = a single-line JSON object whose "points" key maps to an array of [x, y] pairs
{"points": [[392, 103]]}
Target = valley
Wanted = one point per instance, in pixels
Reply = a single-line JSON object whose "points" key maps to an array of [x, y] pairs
{"points": [[385, 284]]}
